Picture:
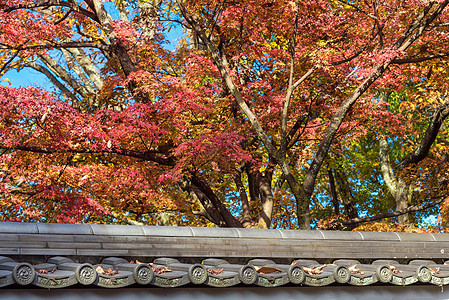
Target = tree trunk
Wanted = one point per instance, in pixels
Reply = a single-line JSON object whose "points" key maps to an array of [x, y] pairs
{"points": [[266, 196], [252, 183], [149, 15], [246, 216], [302, 200], [398, 188], [260, 190], [401, 198], [199, 190], [198, 196], [333, 192], [346, 197]]}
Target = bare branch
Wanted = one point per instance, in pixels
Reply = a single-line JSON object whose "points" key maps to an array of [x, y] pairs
{"points": [[402, 45], [69, 159], [359, 9], [419, 59], [5, 65], [55, 81], [62, 73], [145, 155], [105, 21], [385, 167], [58, 46], [413, 208], [304, 77], [288, 96], [429, 137], [72, 63], [65, 16], [49, 3]]}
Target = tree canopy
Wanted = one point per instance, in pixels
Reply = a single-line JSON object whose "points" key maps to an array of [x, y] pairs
{"points": [[266, 113]]}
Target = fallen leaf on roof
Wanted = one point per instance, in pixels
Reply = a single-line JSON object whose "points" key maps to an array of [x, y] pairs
{"points": [[436, 271], [135, 262], [160, 270], [47, 272], [312, 270], [109, 271], [354, 270], [267, 270], [315, 270], [393, 269], [214, 271]]}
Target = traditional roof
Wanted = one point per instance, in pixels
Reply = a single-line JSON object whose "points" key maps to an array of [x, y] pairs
{"points": [[110, 256]]}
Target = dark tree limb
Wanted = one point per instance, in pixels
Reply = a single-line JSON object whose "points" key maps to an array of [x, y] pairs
{"points": [[419, 59], [243, 196], [429, 137], [202, 186], [49, 3], [333, 191], [413, 208], [144, 155], [58, 46]]}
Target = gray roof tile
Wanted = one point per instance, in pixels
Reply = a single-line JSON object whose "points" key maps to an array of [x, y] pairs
{"points": [[99, 229], [52, 228], [175, 231], [16, 227], [184, 248]]}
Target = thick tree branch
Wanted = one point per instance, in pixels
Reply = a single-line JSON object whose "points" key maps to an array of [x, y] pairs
{"points": [[418, 28], [336, 121], [89, 68], [207, 208], [413, 208], [49, 3], [288, 96], [79, 73], [429, 137], [105, 21], [5, 65], [55, 81], [62, 73], [57, 46], [357, 8], [145, 155], [228, 218], [385, 166], [418, 59], [415, 24]]}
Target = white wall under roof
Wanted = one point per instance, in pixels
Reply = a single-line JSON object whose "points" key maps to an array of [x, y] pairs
{"points": [[247, 293]]}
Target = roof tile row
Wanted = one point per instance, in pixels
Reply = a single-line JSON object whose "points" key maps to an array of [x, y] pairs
{"points": [[120, 230], [114, 272]]}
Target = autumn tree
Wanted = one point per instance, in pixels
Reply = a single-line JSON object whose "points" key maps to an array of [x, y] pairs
{"points": [[387, 46], [237, 124]]}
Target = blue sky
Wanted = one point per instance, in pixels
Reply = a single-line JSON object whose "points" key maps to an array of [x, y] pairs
{"points": [[26, 77], [30, 77]]}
